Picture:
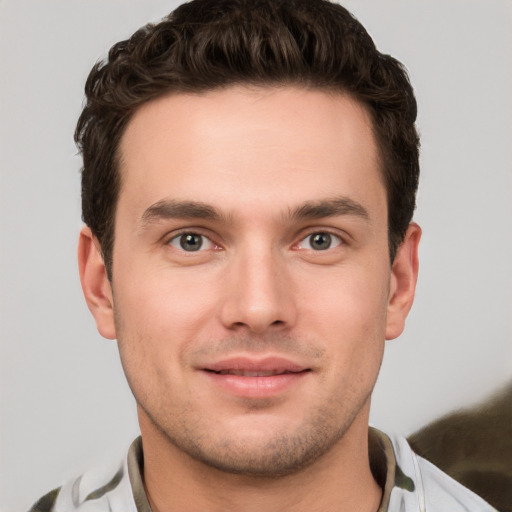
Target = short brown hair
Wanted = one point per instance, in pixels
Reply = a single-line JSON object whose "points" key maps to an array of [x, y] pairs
{"points": [[210, 44]]}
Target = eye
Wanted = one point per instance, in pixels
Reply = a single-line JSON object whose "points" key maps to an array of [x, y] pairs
{"points": [[191, 242], [320, 241]]}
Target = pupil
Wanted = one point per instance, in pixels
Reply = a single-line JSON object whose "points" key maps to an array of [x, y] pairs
{"points": [[321, 241], [191, 242]]}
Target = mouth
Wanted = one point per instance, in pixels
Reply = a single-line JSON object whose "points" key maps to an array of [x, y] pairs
{"points": [[255, 367], [256, 378], [253, 373]]}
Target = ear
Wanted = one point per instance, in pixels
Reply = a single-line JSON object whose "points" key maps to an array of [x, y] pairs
{"points": [[404, 274], [95, 283]]}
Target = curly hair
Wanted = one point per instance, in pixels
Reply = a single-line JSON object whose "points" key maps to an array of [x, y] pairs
{"points": [[210, 44]]}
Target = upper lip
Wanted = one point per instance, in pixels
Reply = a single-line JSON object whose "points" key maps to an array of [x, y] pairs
{"points": [[267, 365]]}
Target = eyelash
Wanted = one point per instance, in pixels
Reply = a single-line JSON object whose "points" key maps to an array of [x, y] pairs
{"points": [[330, 234], [176, 238]]}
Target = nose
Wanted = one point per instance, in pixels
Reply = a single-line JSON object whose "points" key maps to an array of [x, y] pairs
{"points": [[258, 293]]}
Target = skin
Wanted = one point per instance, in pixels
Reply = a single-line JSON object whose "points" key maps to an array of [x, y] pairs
{"points": [[261, 159]]}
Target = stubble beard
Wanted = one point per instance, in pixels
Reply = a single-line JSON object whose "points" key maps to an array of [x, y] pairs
{"points": [[278, 455], [271, 454]]}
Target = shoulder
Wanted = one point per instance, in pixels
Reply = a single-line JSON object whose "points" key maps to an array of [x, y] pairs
{"points": [[442, 491], [100, 489], [434, 490]]}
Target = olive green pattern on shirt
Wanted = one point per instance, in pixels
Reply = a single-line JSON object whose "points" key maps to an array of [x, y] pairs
{"points": [[98, 493], [46, 503], [402, 480]]}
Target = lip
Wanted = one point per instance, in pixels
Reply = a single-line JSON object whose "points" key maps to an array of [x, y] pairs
{"points": [[255, 377], [250, 364]]}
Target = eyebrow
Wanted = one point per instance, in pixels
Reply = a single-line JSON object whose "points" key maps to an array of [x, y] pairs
{"points": [[330, 208], [310, 210], [173, 209]]}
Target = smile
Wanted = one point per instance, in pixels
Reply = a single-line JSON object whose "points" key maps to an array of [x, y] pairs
{"points": [[254, 373], [253, 378]]}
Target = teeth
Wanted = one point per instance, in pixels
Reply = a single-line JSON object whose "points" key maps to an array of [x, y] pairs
{"points": [[248, 373]]}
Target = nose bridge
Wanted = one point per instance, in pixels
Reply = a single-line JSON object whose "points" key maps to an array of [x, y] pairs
{"points": [[258, 291]]}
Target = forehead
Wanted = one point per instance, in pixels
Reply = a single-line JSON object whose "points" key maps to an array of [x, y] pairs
{"points": [[249, 147]]}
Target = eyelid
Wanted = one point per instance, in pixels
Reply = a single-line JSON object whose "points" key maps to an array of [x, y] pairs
{"points": [[175, 235], [335, 234]]}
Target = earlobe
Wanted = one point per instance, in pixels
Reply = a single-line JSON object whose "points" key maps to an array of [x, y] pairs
{"points": [[404, 275], [95, 284]]}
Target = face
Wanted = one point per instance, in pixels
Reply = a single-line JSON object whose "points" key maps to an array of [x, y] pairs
{"points": [[252, 290]]}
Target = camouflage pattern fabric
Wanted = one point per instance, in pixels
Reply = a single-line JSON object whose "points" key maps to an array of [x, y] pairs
{"points": [[409, 483]]}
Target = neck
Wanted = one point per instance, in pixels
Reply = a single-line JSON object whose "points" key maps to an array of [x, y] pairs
{"points": [[339, 480]]}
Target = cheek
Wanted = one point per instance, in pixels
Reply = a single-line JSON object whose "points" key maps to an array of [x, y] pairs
{"points": [[164, 297], [347, 311], [159, 316], [348, 297]]}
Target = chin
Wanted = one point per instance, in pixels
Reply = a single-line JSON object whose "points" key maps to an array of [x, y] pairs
{"points": [[264, 446], [275, 457]]}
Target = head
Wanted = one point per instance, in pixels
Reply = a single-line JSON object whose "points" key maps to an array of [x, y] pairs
{"points": [[213, 44], [249, 178]]}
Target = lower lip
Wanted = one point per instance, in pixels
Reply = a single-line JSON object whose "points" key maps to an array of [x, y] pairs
{"points": [[256, 387]]}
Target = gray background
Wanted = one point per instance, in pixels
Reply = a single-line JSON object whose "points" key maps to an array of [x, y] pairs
{"points": [[64, 403]]}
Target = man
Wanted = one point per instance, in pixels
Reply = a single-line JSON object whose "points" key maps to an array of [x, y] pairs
{"points": [[249, 180]]}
